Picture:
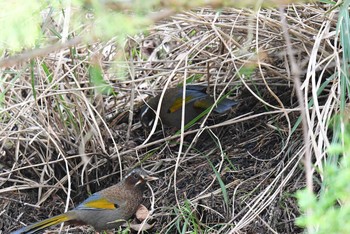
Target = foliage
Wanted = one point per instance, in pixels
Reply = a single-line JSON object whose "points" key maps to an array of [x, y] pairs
{"points": [[23, 22], [330, 211], [20, 23]]}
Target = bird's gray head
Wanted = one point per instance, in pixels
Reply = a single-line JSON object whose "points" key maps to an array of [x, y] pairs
{"points": [[138, 177]]}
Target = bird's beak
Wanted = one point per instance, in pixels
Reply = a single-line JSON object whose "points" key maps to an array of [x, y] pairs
{"points": [[146, 178], [149, 178]]}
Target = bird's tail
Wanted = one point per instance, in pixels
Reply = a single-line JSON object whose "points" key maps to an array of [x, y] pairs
{"points": [[224, 105], [35, 227]]}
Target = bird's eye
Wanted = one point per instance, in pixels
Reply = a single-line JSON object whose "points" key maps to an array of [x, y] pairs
{"points": [[136, 176]]}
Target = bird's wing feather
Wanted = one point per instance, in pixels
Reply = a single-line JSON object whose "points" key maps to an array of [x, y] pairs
{"points": [[221, 107], [202, 104], [192, 95], [197, 88], [96, 201], [177, 104]]}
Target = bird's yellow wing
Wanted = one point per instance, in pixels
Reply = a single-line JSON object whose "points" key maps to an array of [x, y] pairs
{"points": [[202, 104], [177, 104], [96, 201]]}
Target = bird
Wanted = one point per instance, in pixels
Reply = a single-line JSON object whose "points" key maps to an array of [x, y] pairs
{"points": [[196, 101], [103, 210]]}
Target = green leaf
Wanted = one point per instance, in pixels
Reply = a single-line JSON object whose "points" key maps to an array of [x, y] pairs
{"points": [[98, 82]]}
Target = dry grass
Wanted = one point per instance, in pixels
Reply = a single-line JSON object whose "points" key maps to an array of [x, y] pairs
{"points": [[61, 139]]}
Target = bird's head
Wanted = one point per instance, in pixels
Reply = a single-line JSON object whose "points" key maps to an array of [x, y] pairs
{"points": [[138, 178], [147, 116]]}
